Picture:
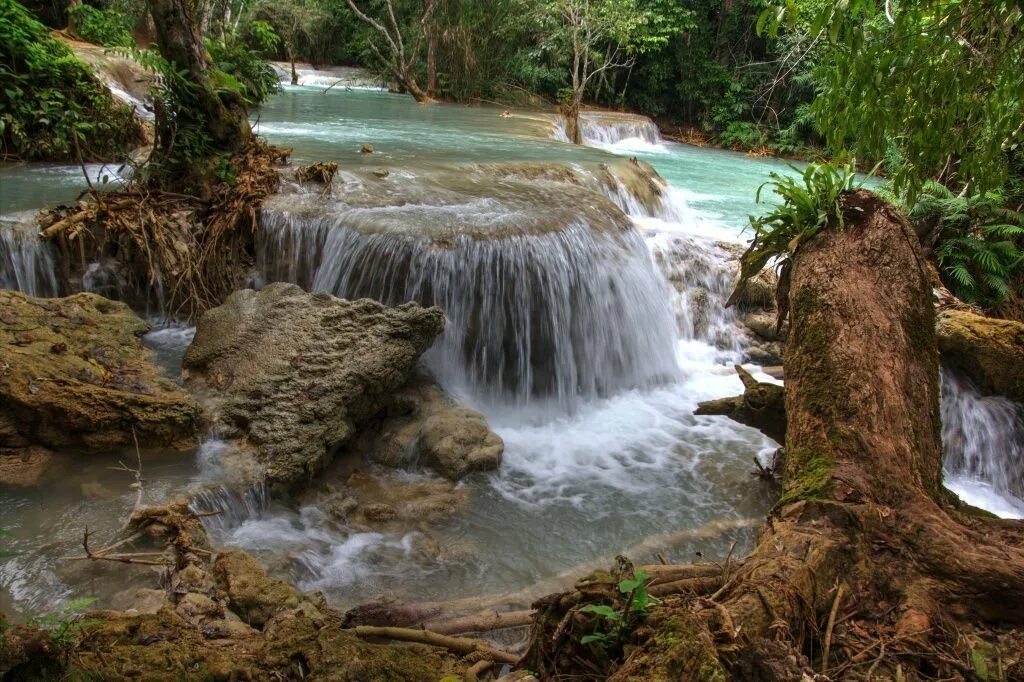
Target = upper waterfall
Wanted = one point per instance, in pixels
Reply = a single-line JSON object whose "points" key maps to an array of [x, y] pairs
{"points": [[550, 295]]}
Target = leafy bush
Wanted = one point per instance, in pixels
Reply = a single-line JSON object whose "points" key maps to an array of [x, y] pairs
{"points": [[742, 135], [51, 99], [101, 26], [978, 242], [254, 75], [64, 624], [810, 202]]}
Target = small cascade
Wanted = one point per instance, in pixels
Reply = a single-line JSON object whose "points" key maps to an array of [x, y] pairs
{"points": [[701, 276], [602, 130], [232, 507], [26, 262], [983, 438], [613, 131], [565, 315], [335, 77]]}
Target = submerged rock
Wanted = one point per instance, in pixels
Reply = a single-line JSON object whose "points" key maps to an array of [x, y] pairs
{"points": [[424, 424], [989, 350], [295, 373], [74, 374]]}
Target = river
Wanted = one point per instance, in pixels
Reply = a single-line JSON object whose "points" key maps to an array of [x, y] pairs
{"points": [[603, 454]]}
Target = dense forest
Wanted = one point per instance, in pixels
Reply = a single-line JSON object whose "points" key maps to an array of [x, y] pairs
{"points": [[445, 278]]}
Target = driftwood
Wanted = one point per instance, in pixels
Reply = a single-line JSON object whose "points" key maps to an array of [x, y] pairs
{"points": [[762, 406], [459, 645]]}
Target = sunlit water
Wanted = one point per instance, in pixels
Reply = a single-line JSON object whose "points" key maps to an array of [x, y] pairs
{"points": [[602, 449]]}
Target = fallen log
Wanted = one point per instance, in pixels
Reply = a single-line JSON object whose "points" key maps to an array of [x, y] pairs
{"points": [[487, 621]]}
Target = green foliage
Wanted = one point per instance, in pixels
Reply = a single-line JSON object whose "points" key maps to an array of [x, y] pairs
{"points": [[939, 79], [978, 242], [51, 99], [63, 625], [250, 74], [108, 27], [810, 202], [617, 624]]}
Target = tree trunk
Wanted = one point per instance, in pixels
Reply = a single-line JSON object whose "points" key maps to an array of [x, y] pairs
{"points": [[220, 118], [431, 59], [864, 534], [571, 112]]}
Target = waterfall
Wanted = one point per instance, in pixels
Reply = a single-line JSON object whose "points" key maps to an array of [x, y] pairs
{"points": [[603, 130], [983, 438], [565, 315], [608, 130], [27, 263], [234, 507]]}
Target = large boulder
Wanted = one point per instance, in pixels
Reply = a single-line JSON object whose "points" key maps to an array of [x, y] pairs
{"points": [[75, 375], [989, 350], [423, 424], [294, 374]]}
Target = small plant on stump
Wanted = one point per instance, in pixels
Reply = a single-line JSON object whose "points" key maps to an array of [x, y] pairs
{"points": [[810, 202], [619, 623]]}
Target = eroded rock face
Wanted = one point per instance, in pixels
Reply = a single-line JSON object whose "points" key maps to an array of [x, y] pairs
{"points": [[424, 424], [295, 373], [74, 374], [989, 350]]}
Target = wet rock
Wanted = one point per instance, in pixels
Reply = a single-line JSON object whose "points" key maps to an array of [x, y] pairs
{"points": [[148, 601], [759, 291], [26, 467], [379, 512], [251, 593], [366, 149], [989, 350], [74, 374], [424, 424], [764, 325], [767, 353], [295, 373]]}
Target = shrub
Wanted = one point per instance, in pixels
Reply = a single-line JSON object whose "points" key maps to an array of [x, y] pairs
{"points": [[101, 26], [977, 242], [51, 99]]}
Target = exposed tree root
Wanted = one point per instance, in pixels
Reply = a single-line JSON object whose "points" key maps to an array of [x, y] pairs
{"points": [[865, 555], [194, 249]]}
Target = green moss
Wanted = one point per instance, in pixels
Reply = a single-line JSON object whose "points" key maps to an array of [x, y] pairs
{"points": [[811, 477]]}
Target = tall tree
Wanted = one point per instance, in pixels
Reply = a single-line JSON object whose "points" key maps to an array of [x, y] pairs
{"points": [[197, 118], [400, 61], [598, 36]]}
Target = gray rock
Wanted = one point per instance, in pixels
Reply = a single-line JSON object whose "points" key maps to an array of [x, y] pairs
{"points": [[295, 373], [424, 424]]}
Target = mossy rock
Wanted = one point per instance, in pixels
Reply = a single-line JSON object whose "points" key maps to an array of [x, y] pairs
{"points": [[989, 350], [74, 374]]}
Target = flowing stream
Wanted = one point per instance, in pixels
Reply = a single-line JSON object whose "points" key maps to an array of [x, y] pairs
{"points": [[586, 319]]}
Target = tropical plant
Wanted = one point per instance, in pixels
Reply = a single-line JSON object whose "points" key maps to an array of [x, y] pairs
{"points": [[108, 27], [617, 623], [811, 200], [52, 107], [939, 79], [977, 242], [254, 75]]}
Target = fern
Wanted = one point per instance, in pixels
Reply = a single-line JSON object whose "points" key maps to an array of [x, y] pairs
{"points": [[978, 242], [810, 202]]}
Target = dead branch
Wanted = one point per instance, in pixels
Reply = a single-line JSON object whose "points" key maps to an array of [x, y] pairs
{"points": [[459, 645], [482, 622]]}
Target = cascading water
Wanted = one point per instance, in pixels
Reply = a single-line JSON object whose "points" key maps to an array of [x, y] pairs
{"points": [[983, 437], [543, 305], [614, 132], [26, 263]]}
